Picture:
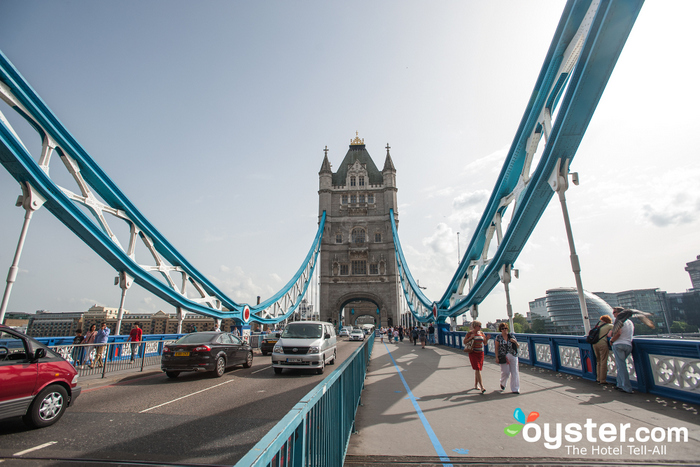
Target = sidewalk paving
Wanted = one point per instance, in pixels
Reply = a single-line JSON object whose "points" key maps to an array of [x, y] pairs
{"points": [[429, 414]]}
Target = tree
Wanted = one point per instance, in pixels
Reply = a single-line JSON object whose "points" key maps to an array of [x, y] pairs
{"points": [[538, 326]]}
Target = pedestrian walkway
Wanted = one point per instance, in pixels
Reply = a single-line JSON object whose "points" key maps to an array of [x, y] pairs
{"points": [[419, 408]]}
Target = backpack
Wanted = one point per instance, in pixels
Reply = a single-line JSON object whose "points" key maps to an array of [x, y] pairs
{"points": [[594, 334]]}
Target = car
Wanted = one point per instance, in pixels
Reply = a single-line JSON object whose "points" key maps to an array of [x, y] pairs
{"points": [[205, 351], [357, 334], [305, 345], [268, 342], [36, 383], [345, 332]]}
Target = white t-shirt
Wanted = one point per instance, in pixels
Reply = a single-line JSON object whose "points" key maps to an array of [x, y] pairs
{"points": [[626, 333]]}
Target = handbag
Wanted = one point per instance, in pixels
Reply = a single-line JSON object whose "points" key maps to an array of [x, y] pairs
{"points": [[469, 346], [501, 359]]}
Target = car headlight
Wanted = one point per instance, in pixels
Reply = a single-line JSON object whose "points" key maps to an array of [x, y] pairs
{"points": [[314, 349], [277, 349]]}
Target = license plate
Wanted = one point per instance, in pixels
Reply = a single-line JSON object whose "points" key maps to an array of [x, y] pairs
{"points": [[182, 354], [294, 360]]}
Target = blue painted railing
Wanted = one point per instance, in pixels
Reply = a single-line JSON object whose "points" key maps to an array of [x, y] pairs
{"points": [[317, 430], [664, 367]]}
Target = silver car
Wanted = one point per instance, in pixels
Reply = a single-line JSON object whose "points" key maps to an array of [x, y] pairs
{"points": [[305, 345]]}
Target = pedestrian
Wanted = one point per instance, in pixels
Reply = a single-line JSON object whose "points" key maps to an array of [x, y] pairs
{"points": [[431, 334], [401, 333], [622, 347], [101, 338], [423, 336], [476, 356], [507, 357], [396, 335], [135, 339], [89, 339], [414, 334], [600, 348], [381, 334], [77, 353]]}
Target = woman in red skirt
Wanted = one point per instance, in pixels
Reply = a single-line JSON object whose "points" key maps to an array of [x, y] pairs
{"points": [[476, 356]]}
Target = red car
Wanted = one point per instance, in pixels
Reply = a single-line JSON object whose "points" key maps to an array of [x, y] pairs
{"points": [[36, 383]]}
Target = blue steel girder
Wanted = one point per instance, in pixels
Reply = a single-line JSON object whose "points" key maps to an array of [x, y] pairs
{"points": [[587, 43], [101, 196], [418, 304]]}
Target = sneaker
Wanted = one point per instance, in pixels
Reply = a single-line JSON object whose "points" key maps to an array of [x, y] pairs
{"points": [[516, 392], [502, 387]]}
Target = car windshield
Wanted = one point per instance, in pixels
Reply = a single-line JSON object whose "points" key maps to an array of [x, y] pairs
{"points": [[357, 331], [303, 331], [196, 338]]}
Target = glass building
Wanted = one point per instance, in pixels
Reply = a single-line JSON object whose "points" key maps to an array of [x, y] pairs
{"points": [[564, 310]]}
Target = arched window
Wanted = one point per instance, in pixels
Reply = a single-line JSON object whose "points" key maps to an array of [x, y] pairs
{"points": [[358, 235]]}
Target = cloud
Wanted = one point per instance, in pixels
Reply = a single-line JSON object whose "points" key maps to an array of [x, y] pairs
{"points": [[466, 200], [670, 215], [491, 163]]}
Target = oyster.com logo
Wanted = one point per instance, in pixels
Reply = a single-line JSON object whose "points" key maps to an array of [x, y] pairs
{"points": [[603, 438], [519, 415]]}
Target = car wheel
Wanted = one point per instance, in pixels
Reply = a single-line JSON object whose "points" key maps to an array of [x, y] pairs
{"points": [[333, 361], [220, 367], [248, 360], [278, 371], [321, 368], [172, 374], [48, 407]]}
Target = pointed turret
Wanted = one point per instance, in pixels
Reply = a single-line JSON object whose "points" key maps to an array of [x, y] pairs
{"points": [[325, 183], [389, 175], [388, 163], [326, 165]]}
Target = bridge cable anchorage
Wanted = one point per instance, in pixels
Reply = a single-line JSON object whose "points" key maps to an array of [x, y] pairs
{"points": [[96, 192]]}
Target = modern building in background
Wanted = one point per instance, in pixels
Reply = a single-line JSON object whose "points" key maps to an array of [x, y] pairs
{"points": [[561, 311], [693, 269]]}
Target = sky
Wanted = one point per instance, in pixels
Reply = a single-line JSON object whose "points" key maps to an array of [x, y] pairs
{"points": [[212, 118]]}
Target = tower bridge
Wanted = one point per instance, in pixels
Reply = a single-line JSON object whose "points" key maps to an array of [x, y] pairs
{"points": [[363, 269], [357, 239]]}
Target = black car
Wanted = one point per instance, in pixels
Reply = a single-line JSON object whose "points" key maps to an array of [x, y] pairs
{"points": [[205, 351], [268, 342]]}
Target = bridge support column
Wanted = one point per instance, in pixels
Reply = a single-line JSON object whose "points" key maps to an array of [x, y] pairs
{"points": [[124, 281], [30, 200], [505, 278], [559, 182], [180, 319]]}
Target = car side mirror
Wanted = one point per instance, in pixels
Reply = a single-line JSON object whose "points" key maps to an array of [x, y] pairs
{"points": [[39, 354], [327, 336]]}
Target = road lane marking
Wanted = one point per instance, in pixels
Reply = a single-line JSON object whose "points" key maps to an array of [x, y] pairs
{"points": [[35, 448], [262, 369], [188, 395], [426, 425]]}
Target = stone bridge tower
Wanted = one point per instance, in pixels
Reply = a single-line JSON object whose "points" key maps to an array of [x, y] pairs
{"points": [[358, 271]]}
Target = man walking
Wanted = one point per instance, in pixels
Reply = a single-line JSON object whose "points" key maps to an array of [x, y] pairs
{"points": [[622, 348], [431, 334], [101, 339], [135, 339]]}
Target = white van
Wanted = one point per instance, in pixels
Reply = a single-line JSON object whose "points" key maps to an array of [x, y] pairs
{"points": [[305, 345]]}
